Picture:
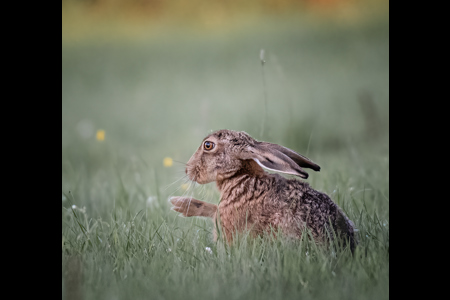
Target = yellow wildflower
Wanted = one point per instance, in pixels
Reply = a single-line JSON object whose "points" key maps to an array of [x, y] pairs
{"points": [[167, 162], [100, 135]]}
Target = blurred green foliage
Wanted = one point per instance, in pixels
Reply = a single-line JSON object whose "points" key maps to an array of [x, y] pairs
{"points": [[325, 87]]}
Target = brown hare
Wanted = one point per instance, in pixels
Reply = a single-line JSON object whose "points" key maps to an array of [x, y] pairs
{"points": [[253, 199]]}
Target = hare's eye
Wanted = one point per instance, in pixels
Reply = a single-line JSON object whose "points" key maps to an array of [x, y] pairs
{"points": [[208, 145]]}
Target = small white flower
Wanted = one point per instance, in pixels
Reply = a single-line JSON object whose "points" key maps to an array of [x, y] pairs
{"points": [[169, 250], [150, 200], [208, 250], [74, 206]]}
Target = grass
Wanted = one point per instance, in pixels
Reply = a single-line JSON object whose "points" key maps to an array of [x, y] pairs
{"points": [[327, 94]]}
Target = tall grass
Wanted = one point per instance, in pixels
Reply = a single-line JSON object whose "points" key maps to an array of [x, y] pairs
{"points": [[138, 249], [327, 97]]}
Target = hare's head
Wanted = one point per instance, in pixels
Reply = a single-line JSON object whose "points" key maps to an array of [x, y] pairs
{"points": [[225, 152]]}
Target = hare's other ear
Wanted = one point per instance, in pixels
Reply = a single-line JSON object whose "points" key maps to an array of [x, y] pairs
{"points": [[280, 159], [299, 159]]}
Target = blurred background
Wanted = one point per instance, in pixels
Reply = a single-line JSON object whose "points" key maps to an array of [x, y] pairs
{"points": [[143, 81]]}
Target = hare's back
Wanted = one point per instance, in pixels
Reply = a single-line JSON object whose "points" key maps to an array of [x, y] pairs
{"points": [[308, 206]]}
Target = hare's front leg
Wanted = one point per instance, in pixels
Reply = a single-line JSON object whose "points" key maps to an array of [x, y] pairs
{"points": [[190, 207]]}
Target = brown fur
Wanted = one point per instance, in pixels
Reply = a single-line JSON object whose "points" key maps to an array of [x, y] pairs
{"points": [[190, 207], [254, 199]]}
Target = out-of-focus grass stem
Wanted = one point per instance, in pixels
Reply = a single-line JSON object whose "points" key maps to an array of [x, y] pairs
{"points": [[261, 57]]}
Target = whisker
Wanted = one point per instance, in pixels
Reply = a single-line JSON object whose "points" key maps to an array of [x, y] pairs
{"points": [[170, 184], [181, 186], [184, 194], [190, 200], [171, 194], [188, 192], [203, 192]]}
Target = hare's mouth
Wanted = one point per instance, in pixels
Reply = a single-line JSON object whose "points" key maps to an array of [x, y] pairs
{"points": [[191, 173]]}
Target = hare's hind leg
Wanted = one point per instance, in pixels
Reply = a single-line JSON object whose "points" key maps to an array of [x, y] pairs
{"points": [[191, 207]]}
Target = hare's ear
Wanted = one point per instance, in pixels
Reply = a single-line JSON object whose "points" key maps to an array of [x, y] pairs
{"points": [[299, 159], [280, 159]]}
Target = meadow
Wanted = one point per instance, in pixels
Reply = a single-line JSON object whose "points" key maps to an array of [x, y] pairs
{"points": [[133, 112]]}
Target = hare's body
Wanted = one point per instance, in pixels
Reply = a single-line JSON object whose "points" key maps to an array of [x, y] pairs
{"points": [[270, 200], [252, 199]]}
